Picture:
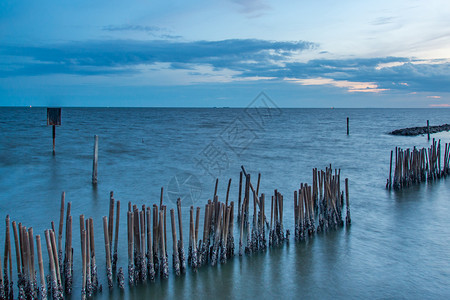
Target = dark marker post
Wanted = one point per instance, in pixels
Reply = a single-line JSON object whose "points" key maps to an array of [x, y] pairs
{"points": [[428, 129], [348, 131], [54, 119]]}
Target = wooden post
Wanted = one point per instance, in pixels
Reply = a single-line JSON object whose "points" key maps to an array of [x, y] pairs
{"points": [[111, 220], [92, 251], [54, 135], [83, 263], [240, 195], [228, 192], [88, 260], [51, 261], [55, 257], [41, 267], [390, 171], [116, 235], [428, 129], [348, 126], [107, 252], [130, 247], [348, 219], [176, 260], [215, 188], [150, 266], [60, 231], [31, 253], [94, 168], [8, 248]]}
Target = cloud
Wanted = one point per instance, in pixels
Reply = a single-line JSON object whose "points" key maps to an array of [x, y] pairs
{"points": [[351, 86], [155, 31], [434, 97], [133, 28], [440, 105], [240, 59], [254, 8], [120, 56], [382, 21]]}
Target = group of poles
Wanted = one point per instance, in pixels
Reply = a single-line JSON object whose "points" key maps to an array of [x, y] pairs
{"points": [[321, 203], [59, 280], [413, 166]]}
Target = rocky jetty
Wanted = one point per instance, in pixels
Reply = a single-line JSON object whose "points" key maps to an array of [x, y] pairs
{"points": [[420, 130]]}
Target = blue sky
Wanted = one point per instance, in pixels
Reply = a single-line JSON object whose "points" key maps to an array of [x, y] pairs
{"points": [[223, 53]]}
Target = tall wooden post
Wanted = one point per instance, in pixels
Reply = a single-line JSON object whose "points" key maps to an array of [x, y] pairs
{"points": [[54, 135], [428, 129], [348, 131], [94, 168]]}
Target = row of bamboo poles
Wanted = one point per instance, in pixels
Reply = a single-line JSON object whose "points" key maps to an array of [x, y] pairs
{"points": [[413, 166], [61, 271], [147, 237]]}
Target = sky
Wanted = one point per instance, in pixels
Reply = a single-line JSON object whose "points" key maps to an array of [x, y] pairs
{"points": [[224, 53]]}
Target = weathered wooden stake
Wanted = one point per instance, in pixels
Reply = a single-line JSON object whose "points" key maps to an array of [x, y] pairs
{"points": [[116, 236], [176, 260], [83, 261], [54, 135], [43, 292], [348, 126], [53, 285], [60, 231], [107, 252], [94, 168]]}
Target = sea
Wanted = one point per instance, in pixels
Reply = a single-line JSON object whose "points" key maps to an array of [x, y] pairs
{"points": [[397, 246]]}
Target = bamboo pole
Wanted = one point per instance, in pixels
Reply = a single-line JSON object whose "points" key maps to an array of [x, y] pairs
{"points": [[21, 249], [116, 235], [88, 259], [176, 260], [164, 263], [95, 161], [53, 283], [83, 260], [31, 258], [143, 266], [60, 231], [130, 247], [228, 192], [43, 292], [240, 195], [111, 220], [94, 276], [107, 252], [181, 244], [150, 267]]}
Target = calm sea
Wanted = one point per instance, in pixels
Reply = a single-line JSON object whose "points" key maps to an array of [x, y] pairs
{"points": [[397, 247]]}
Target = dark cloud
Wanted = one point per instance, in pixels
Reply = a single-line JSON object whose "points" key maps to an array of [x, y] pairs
{"points": [[125, 54], [247, 57], [409, 74]]}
